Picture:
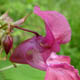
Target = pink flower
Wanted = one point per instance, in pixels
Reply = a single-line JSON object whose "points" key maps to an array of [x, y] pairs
{"points": [[40, 52]]}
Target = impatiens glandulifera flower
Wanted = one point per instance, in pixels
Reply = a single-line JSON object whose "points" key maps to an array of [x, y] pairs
{"points": [[49, 43], [7, 43], [40, 52]]}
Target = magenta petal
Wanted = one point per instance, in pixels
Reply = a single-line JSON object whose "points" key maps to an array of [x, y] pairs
{"points": [[56, 23], [30, 52], [50, 41], [62, 72]]}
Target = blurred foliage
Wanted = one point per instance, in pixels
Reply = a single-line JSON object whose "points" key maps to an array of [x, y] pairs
{"points": [[19, 8]]}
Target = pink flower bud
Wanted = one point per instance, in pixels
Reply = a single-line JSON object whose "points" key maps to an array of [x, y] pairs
{"points": [[7, 43]]}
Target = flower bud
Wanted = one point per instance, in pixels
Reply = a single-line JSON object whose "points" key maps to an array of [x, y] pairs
{"points": [[7, 43]]}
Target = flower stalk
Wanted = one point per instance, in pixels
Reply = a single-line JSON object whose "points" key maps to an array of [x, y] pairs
{"points": [[26, 30]]}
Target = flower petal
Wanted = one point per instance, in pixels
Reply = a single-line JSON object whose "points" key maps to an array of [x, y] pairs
{"points": [[62, 72], [57, 59], [30, 52], [57, 24], [50, 41]]}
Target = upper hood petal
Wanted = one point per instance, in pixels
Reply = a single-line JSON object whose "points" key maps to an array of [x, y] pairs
{"points": [[56, 23]]}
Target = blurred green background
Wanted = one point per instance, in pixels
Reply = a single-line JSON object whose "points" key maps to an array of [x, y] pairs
{"points": [[19, 8]]}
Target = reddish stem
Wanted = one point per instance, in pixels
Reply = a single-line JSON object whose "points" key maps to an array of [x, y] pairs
{"points": [[26, 30]]}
